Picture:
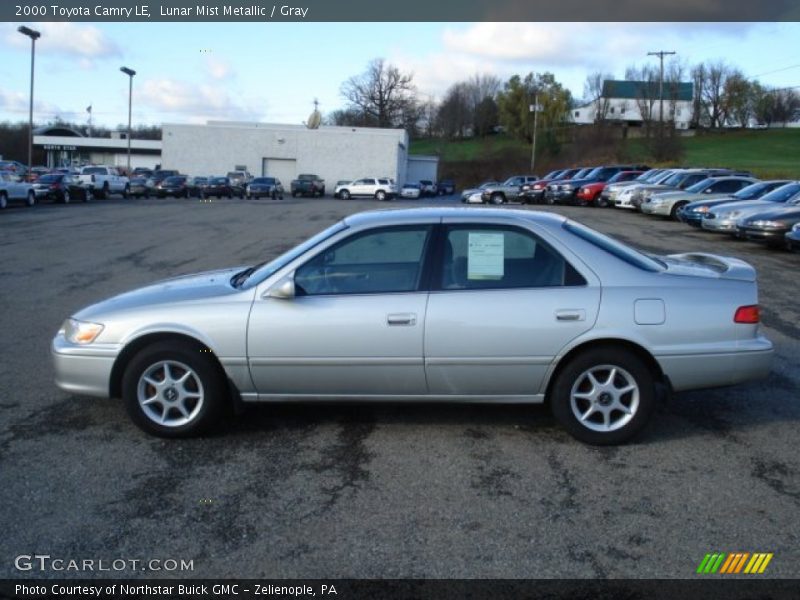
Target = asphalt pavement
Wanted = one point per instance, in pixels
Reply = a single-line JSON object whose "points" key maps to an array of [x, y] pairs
{"points": [[370, 491]]}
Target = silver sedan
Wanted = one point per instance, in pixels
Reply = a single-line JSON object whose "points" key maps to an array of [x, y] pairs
{"points": [[445, 304]]}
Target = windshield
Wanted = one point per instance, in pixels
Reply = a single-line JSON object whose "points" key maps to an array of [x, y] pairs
{"points": [[700, 186], [50, 178], [754, 190], [219, 180], [622, 251], [674, 179], [94, 170], [783, 193], [581, 174], [258, 273]]}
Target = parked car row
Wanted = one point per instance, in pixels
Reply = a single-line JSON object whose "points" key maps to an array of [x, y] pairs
{"points": [[721, 201]]}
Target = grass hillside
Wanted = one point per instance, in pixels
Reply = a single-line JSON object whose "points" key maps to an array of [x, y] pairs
{"points": [[767, 153]]}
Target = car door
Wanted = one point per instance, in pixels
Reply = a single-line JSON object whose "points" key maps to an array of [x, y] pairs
{"points": [[503, 303], [355, 324]]}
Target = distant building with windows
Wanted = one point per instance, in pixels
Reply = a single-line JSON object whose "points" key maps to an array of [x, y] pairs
{"points": [[627, 101]]}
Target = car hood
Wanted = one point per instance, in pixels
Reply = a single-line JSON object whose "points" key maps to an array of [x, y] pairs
{"points": [[749, 206], [714, 201], [788, 214], [186, 288]]}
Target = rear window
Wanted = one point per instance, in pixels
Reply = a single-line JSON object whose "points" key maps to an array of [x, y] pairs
{"points": [[93, 170], [50, 178], [621, 251], [264, 180]]}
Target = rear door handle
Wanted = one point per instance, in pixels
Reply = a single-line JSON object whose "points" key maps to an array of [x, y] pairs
{"points": [[571, 314], [401, 319]]}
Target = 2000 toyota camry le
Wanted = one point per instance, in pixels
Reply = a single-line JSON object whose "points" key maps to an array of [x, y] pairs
{"points": [[440, 304]]}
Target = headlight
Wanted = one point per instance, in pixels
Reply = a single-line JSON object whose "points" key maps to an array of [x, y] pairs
{"points": [[766, 224], [700, 209], [538, 186], [81, 332], [566, 187], [796, 228], [583, 190]]}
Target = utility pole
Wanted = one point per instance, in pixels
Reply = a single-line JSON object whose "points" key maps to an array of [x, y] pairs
{"points": [[661, 54]]}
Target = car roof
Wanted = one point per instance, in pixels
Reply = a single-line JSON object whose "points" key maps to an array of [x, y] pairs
{"points": [[390, 216]]}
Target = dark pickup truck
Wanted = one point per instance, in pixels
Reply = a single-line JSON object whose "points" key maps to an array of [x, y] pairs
{"points": [[308, 185]]}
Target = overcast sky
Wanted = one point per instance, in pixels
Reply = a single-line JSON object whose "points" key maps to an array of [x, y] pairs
{"points": [[272, 72]]}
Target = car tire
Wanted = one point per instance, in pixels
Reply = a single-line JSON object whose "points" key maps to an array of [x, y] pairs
{"points": [[65, 197], [496, 199], [380, 195], [106, 191], [604, 396], [30, 200], [174, 389], [344, 195], [126, 193], [600, 202], [3, 200], [673, 214]]}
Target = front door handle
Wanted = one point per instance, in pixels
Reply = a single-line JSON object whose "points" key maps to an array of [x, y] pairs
{"points": [[571, 314], [401, 319]]}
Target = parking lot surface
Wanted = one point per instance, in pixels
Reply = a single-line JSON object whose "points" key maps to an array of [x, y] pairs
{"points": [[370, 491]]}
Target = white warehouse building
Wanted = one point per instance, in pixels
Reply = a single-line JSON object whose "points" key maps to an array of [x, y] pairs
{"points": [[285, 151]]}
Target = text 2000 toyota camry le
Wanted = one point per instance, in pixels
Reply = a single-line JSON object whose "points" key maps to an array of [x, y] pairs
{"points": [[453, 304]]}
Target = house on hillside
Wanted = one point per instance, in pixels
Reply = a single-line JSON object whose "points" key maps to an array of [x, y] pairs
{"points": [[635, 102]]}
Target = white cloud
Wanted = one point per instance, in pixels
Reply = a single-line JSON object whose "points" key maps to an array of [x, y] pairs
{"points": [[196, 102], [68, 39], [219, 68]]}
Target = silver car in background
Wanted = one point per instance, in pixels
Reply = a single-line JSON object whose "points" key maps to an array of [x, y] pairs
{"points": [[444, 304], [723, 217]]}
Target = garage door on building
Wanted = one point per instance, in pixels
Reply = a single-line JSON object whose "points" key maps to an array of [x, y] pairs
{"points": [[284, 169]]}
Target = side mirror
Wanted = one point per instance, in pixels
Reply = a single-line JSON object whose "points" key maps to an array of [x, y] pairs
{"points": [[283, 290]]}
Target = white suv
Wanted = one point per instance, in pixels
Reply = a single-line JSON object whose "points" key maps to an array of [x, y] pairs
{"points": [[380, 189]]}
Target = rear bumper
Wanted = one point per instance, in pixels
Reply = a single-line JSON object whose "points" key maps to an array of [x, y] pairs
{"points": [[749, 361]]}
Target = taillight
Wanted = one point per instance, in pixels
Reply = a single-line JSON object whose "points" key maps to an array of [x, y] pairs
{"points": [[747, 314]]}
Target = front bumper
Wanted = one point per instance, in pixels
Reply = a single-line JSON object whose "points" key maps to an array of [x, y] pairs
{"points": [[770, 236], [83, 369], [661, 209]]}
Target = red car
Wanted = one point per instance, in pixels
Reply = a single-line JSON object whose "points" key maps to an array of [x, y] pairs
{"points": [[590, 193]]}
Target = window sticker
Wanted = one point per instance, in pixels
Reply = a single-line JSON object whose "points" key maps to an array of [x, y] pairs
{"points": [[486, 255]]}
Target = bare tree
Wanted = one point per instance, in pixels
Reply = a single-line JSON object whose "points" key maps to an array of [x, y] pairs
{"points": [[455, 116], [713, 97], [593, 93], [699, 82], [382, 92], [738, 98], [646, 91]]}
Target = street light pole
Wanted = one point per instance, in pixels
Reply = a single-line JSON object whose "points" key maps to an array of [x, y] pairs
{"points": [[535, 109], [130, 73], [34, 35]]}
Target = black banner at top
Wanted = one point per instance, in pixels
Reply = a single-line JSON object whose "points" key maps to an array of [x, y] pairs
{"points": [[405, 11]]}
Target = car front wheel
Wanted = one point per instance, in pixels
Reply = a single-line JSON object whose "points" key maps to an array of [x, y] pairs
{"points": [[496, 199], [174, 389], [604, 396]]}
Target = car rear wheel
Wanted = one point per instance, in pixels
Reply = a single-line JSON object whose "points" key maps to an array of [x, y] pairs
{"points": [[174, 389], [600, 201], [380, 195], [106, 191], [604, 396], [3, 200], [65, 198], [31, 199], [344, 195], [496, 198]]}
